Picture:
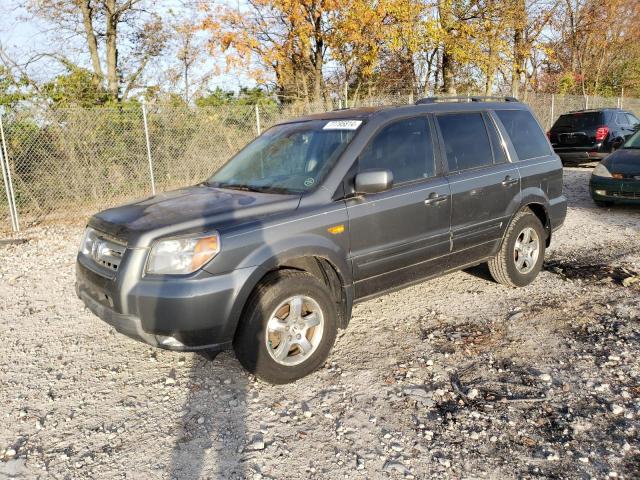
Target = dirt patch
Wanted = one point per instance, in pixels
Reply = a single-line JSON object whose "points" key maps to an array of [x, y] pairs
{"points": [[595, 272]]}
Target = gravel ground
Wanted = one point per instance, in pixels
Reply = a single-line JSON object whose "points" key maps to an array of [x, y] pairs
{"points": [[458, 377]]}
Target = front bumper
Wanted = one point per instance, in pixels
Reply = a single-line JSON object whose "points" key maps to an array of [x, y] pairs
{"points": [[604, 189], [182, 313]]}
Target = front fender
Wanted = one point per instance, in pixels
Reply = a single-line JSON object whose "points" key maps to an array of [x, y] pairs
{"points": [[271, 255]]}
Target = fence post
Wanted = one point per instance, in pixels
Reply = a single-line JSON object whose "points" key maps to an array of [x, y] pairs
{"points": [[553, 107], [258, 129], [146, 135], [8, 184]]}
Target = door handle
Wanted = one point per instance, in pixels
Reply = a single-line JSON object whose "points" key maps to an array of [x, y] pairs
{"points": [[509, 181], [434, 198]]}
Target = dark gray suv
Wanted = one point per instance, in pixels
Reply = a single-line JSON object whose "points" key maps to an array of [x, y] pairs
{"points": [[270, 254]]}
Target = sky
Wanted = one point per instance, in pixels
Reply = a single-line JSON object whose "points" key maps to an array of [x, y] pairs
{"points": [[22, 37]]}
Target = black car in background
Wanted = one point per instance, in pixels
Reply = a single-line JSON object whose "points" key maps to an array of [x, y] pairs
{"points": [[617, 178], [590, 135]]}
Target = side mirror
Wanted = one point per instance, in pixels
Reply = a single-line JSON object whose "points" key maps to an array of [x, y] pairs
{"points": [[374, 181]]}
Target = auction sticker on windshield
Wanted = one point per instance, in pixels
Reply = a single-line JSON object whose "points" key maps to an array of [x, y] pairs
{"points": [[342, 125]]}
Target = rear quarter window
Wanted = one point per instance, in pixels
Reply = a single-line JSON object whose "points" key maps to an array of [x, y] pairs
{"points": [[526, 135]]}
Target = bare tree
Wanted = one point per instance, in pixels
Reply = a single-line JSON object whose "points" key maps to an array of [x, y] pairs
{"points": [[119, 37]]}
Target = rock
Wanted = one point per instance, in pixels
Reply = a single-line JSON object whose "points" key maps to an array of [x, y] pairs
{"points": [[10, 453], [419, 394], [395, 466], [617, 409], [473, 393], [170, 381], [545, 377], [200, 420], [257, 443]]}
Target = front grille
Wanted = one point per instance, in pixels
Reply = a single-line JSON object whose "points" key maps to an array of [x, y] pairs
{"points": [[624, 194], [103, 250]]}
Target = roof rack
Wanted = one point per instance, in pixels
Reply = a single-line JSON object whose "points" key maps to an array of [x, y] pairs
{"points": [[472, 98]]}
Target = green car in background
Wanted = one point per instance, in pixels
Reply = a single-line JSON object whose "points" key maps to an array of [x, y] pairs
{"points": [[617, 178]]}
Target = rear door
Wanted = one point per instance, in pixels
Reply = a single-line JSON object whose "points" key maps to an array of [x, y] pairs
{"points": [[392, 233], [482, 183]]}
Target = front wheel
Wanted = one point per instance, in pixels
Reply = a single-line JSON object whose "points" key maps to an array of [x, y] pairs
{"points": [[520, 258], [288, 327]]}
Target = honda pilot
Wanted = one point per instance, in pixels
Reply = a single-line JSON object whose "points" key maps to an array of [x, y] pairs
{"points": [[270, 254]]}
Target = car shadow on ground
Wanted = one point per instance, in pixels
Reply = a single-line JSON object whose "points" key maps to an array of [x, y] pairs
{"points": [[212, 428], [480, 271]]}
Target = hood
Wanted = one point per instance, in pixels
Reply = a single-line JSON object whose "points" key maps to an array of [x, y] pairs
{"points": [[190, 209], [625, 161]]}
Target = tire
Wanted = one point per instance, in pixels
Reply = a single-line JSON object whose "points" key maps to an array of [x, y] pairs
{"points": [[504, 266], [267, 322]]}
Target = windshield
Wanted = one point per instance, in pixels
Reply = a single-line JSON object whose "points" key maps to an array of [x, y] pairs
{"points": [[633, 142], [290, 158]]}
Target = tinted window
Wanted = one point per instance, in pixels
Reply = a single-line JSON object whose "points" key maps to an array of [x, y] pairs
{"points": [[621, 119], [403, 147], [465, 141], [633, 121], [572, 122], [526, 135]]}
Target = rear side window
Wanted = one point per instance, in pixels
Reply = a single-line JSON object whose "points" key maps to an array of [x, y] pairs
{"points": [[526, 135], [404, 147], [633, 121], [466, 142], [621, 119]]}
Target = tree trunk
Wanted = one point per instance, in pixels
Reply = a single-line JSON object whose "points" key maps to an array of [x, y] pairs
{"points": [[448, 74], [317, 59], [111, 17], [92, 44], [519, 24]]}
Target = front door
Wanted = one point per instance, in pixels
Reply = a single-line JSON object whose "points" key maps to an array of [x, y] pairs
{"points": [[397, 236]]}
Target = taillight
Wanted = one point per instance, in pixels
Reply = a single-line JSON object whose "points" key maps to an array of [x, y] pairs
{"points": [[601, 133]]}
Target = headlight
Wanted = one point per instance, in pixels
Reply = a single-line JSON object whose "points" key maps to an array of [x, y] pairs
{"points": [[601, 171], [182, 255], [89, 238]]}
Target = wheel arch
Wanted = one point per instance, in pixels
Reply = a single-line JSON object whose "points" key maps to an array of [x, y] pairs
{"points": [[322, 263], [538, 203]]}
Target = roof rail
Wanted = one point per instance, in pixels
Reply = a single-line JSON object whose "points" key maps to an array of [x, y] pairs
{"points": [[472, 98]]}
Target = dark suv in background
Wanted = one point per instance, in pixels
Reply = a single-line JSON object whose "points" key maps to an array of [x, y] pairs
{"points": [[590, 135], [269, 255]]}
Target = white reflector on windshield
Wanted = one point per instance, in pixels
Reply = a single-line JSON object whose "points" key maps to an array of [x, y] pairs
{"points": [[342, 125]]}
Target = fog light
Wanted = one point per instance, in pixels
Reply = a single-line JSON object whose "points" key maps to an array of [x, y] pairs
{"points": [[600, 192]]}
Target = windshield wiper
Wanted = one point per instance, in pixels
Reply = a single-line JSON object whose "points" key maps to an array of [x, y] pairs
{"points": [[237, 186], [252, 188]]}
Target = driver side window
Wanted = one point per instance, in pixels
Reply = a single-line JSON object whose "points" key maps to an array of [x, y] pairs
{"points": [[405, 148]]}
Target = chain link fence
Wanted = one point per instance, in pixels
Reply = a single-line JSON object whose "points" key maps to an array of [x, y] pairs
{"points": [[68, 163]]}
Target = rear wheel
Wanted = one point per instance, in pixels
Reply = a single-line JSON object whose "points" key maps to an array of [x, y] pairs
{"points": [[520, 258], [288, 329]]}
